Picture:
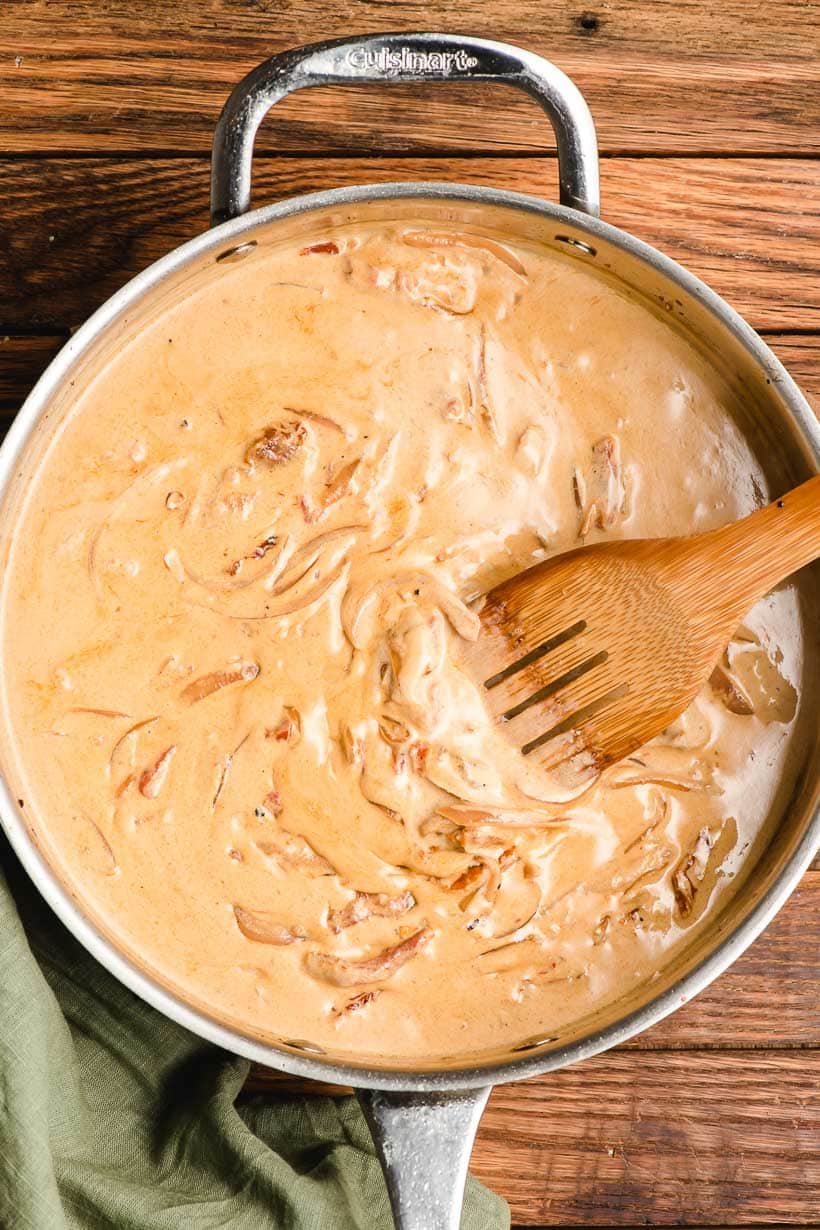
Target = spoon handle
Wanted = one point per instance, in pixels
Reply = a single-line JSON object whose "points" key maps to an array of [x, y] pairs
{"points": [[750, 557]]}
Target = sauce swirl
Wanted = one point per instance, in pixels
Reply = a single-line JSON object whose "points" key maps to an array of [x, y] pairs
{"points": [[230, 658]]}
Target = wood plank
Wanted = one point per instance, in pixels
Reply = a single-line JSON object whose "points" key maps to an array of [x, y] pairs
{"points": [[660, 1139], [75, 229], [24, 358], [22, 361], [661, 77], [656, 1132], [654, 1138]]}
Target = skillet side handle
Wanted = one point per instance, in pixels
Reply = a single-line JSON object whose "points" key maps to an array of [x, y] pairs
{"points": [[424, 1142], [387, 58]]}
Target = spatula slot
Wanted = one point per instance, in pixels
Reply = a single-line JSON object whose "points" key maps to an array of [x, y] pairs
{"points": [[540, 651], [578, 718], [549, 689]]}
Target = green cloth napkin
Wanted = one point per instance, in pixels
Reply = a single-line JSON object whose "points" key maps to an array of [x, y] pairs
{"points": [[112, 1116]]}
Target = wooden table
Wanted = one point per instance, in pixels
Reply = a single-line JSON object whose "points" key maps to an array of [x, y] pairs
{"points": [[708, 117]]}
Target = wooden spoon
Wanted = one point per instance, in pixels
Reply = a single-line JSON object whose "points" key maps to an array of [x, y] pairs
{"points": [[592, 653]]}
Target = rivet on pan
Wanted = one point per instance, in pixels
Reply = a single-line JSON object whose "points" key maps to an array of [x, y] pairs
{"points": [[299, 1044], [577, 243], [236, 254], [532, 1043]]}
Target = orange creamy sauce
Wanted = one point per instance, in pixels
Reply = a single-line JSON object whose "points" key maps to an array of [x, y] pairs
{"points": [[230, 632]]}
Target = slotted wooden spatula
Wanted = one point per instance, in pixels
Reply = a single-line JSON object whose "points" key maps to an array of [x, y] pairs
{"points": [[594, 652]]}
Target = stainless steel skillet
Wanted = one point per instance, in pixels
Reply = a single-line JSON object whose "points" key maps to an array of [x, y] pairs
{"points": [[424, 1121]]}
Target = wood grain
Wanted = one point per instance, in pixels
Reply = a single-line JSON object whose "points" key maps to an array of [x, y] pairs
{"points": [[23, 359], [710, 1118], [661, 77], [688, 1137], [655, 1138], [73, 230]]}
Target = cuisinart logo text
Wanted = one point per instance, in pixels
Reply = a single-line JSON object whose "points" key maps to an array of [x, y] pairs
{"points": [[406, 60]]}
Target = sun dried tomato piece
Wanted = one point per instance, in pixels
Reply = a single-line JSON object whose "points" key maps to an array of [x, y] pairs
{"points": [[418, 755], [273, 802], [325, 247], [206, 684]]}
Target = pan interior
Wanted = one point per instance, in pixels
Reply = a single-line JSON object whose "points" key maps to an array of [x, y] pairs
{"points": [[756, 394]]}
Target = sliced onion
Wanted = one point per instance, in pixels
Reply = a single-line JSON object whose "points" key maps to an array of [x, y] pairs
{"points": [[264, 930], [369, 905], [503, 817], [358, 614], [96, 847], [677, 768], [516, 904], [449, 239], [520, 955], [295, 851], [308, 554], [341, 972]]}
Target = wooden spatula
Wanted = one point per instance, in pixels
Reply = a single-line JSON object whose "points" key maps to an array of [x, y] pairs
{"points": [[593, 652]]}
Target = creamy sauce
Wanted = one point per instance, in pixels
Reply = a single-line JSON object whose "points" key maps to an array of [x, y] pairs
{"points": [[230, 645]]}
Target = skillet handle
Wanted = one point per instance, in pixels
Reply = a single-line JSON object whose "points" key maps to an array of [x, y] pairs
{"points": [[424, 1142], [385, 58]]}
